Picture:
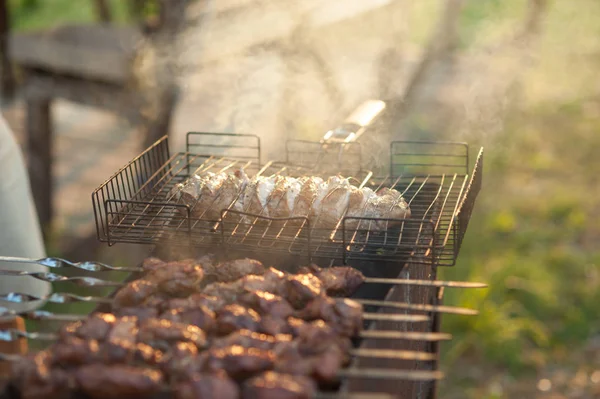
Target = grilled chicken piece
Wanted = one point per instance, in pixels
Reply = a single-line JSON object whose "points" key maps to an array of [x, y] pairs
{"points": [[388, 204], [337, 281], [344, 315], [162, 334], [198, 316], [357, 206], [307, 196], [236, 317], [272, 385], [322, 367], [256, 195], [239, 362], [334, 202], [118, 381], [280, 202], [207, 386]]}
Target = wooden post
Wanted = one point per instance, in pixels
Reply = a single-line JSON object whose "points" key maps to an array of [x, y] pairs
{"points": [[39, 141], [7, 82], [103, 11], [12, 347]]}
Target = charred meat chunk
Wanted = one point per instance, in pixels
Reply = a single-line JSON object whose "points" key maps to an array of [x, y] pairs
{"points": [[152, 263], [118, 381], [141, 313], [198, 316], [74, 351], [337, 281], [36, 379], [250, 339], [181, 361], [236, 317], [302, 288], [345, 315], [236, 269], [177, 279], [95, 327], [272, 385], [208, 386], [162, 334], [134, 293], [210, 302], [239, 362], [266, 303]]}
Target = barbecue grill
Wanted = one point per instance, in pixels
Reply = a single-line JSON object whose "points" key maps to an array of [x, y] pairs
{"points": [[397, 352]]}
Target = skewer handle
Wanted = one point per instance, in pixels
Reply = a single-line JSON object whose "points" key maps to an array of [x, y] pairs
{"points": [[18, 347]]}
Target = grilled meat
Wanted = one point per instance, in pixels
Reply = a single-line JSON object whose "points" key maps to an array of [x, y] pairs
{"points": [[177, 279], [266, 303], [161, 334], [239, 362], [236, 269], [337, 281], [208, 386], [198, 316], [35, 378], [251, 339], [345, 315], [118, 381], [134, 293], [302, 288], [236, 317], [272, 385]]}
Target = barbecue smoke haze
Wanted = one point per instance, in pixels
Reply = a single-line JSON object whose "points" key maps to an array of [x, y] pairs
{"points": [[281, 70]]}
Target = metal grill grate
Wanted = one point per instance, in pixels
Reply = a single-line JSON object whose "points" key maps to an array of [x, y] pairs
{"points": [[136, 204]]}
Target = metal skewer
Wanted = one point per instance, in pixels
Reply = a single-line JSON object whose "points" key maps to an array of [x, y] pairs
{"points": [[58, 263], [425, 308], [425, 283], [384, 374], [57, 278], [16, 297]]}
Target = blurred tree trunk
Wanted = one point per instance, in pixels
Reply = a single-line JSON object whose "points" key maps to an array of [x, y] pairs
{"points": [[440, 47], [7, 80], [103, 11]]}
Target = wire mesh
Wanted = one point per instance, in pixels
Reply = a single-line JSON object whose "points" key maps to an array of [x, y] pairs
{"points": [[138, 205]]}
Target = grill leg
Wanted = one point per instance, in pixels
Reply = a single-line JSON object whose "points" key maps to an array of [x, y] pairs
{"points": [[39, 141]]}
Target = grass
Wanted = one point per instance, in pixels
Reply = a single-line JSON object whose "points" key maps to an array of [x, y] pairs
{"points": [[27, 15]]}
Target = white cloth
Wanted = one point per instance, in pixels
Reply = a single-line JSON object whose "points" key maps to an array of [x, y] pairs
{"points": [[20, 233]]}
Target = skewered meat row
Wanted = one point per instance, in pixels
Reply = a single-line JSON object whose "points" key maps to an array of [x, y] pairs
{"points": [[323, 202], [180, 279], [258, 332]]}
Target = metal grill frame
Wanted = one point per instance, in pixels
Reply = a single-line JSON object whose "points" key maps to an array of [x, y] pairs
{"points": [[138, 191]]}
